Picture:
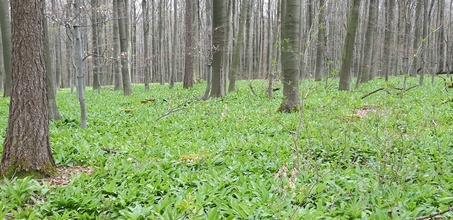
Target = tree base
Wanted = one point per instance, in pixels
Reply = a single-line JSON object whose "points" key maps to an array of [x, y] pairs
{"points": [[14, 171], [288, 108]]}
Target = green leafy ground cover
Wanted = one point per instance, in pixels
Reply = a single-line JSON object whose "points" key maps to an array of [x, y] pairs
{"points": [[387, 156]]}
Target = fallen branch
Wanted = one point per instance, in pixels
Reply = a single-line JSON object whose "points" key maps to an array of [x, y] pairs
{"points": [[435, 214], [371, 93]]}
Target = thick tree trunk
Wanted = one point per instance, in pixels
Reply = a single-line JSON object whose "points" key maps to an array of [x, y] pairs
{"points": [[5, 26], [26, 149], [345, 71], [218, 37], [290, 55]]}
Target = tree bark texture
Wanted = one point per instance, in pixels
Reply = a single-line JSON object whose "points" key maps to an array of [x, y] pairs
{"points": [[290, 55], [219, 32], [127, 87], [189, 45], [348, 50], [5, 26], [27, 149]]}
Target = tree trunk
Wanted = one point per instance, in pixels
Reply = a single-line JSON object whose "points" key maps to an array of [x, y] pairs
{"points": [[5, 26], [345, 71], [218, 37], [388, 36], [369, 39], [145, 43], [238, 45], [80, 66], [321, 41], [95, 44], [50, 82], [124, 48], [116, 49], [189, 45], [290, 55], [27, 149]]}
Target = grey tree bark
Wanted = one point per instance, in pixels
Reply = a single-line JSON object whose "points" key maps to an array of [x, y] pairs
{"points": [[290, 55], [147, 59], [364, 74], [124, 45], [348, 50], [50, 77], [27, 149], [80, 65], [5, 26], [321, 46], [116, 49], [219, 32], [188, 45], [389, 6], [95, 44]]}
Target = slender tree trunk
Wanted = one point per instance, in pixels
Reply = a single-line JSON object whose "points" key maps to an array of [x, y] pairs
{"points": [[147, 59], [189, 45], [345, 71], [95, 44], [173, 71], [369, 39], [80, 66], [124, 48], [58, 49], [238, 45], [388, 36], [116, 48], [440, 36], [417, 38], [50, 82], [5, 26], [321, 41], [27, 149], [290, 55]]}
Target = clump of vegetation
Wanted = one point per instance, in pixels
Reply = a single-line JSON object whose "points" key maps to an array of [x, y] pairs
{"points": [[393, 161]]}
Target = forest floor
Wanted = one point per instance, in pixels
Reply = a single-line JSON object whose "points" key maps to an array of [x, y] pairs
{"points": [[166, 154]]}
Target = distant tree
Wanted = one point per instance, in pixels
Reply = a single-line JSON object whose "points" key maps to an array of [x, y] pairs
{"points": [[238, 43], [5, 26], [50, 82], [146, 55], [27, 149], [291, 20], [348, 50]]}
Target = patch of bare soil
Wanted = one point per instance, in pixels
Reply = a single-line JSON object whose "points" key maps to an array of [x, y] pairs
{"points": [[65, 174], [366, 110]]}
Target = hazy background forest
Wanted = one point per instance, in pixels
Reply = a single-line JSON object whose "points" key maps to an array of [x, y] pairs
{"points": [[393, 37]]}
